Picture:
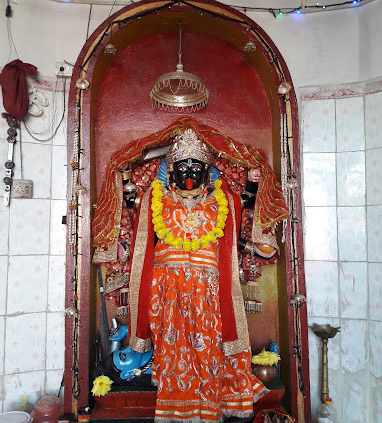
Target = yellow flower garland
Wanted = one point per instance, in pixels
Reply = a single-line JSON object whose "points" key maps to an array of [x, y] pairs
{"points": [[186, 243]]}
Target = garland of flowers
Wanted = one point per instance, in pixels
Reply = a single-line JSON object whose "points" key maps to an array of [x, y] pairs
{"points": [[187, 244]]}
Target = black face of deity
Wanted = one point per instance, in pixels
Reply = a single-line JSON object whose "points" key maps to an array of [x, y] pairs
{"points": [[189, 174]]}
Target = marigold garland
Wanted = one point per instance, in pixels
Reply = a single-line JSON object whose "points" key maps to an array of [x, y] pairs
{"points": [[187, 244]]}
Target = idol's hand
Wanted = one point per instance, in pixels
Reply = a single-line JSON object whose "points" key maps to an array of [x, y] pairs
{"points": [[254, 175]]}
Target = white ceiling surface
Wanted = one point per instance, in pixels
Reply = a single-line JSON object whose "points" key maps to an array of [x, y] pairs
{"points": [[310, 5]]}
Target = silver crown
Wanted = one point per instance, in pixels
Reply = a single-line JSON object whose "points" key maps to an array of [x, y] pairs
{"points": [[187, 145]]}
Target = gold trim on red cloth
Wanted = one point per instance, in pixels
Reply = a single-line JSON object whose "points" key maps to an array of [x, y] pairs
{"points": [[242, 343], [270, 203], [138, 344]]}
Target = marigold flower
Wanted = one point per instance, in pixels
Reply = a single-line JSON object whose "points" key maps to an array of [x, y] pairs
{"points": [[222, 202], [159, 226], [169, 238], [223, 210], [211, 236], [219, 194], [177, 243], [162, 233], [220, 224], [101, 386], [218, 183], [156, 184], [186, 245], [195, 244], [204, 241], [217, 232], [157, 219]]}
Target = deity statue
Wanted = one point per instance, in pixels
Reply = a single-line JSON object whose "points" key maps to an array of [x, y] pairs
{"points": [[183, 258]]}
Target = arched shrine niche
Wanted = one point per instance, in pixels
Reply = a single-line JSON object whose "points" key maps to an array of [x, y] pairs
{"points": [[243, 104]]}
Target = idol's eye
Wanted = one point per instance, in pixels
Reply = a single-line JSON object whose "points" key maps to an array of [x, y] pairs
{"points": [[183, 167], [196, 167]]}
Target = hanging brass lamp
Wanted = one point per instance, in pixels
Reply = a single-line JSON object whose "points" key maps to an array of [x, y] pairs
{"points": [[179, 91]]}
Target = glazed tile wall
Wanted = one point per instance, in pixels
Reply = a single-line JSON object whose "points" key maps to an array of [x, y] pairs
{"points": [[342, 177], [32, 262]]}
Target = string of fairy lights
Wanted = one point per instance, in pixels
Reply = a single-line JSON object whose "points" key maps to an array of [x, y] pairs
{"points": [[289, 179], [279, 12]]}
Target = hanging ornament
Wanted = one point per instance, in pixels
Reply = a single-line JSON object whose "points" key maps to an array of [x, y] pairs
{"points": [[284, 88], [252, 302], [179, 90], [110, 49], [291, 182], [82, 84], [79, 189], [298, 299], [71, 311], [250, 47]]}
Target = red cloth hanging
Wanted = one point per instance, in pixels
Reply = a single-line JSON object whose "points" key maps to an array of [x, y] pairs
{"points": [[15, 88]]}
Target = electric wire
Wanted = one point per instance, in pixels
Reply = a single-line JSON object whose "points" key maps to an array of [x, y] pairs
{"points": [[32, 133], [89, 18], [10, 37]]}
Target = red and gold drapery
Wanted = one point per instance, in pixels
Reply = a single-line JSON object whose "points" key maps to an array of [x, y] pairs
{"points": [[270, 203]]}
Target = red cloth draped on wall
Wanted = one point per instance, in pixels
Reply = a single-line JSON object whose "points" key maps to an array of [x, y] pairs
{"points": [[15, 88]]}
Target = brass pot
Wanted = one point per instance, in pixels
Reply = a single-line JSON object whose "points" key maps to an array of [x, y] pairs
{"points": [[265, 373]]}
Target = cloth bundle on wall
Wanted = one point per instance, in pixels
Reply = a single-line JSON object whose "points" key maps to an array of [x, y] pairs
{"points": [[15, 87]]}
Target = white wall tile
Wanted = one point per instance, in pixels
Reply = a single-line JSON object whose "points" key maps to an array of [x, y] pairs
{"points": [[37, 167], [2, 393], [59, 172], [55, 341], [322, 288], [373, 120], [2, 341], [3, 283], [375, 411], [56, 286], [353, 290], [374, 176], [315, 401], [53, 382], [351, 178], [30, 384], [353, 345], [30, 228], [4, 228], [319, 179], [318, 120], [25, 332], [60, 137], [350, 124], [354, 395], [375, 349], [374, 233], [352, 233], [315, 344], [320, 233], [375, 291], [28, 284], [57, 229]]}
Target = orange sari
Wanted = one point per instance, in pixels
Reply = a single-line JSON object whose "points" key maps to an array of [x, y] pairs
{"points": [[196, 381]]}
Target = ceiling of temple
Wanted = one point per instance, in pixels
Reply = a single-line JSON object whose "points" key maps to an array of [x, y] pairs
{"points": [[273, 6]]}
